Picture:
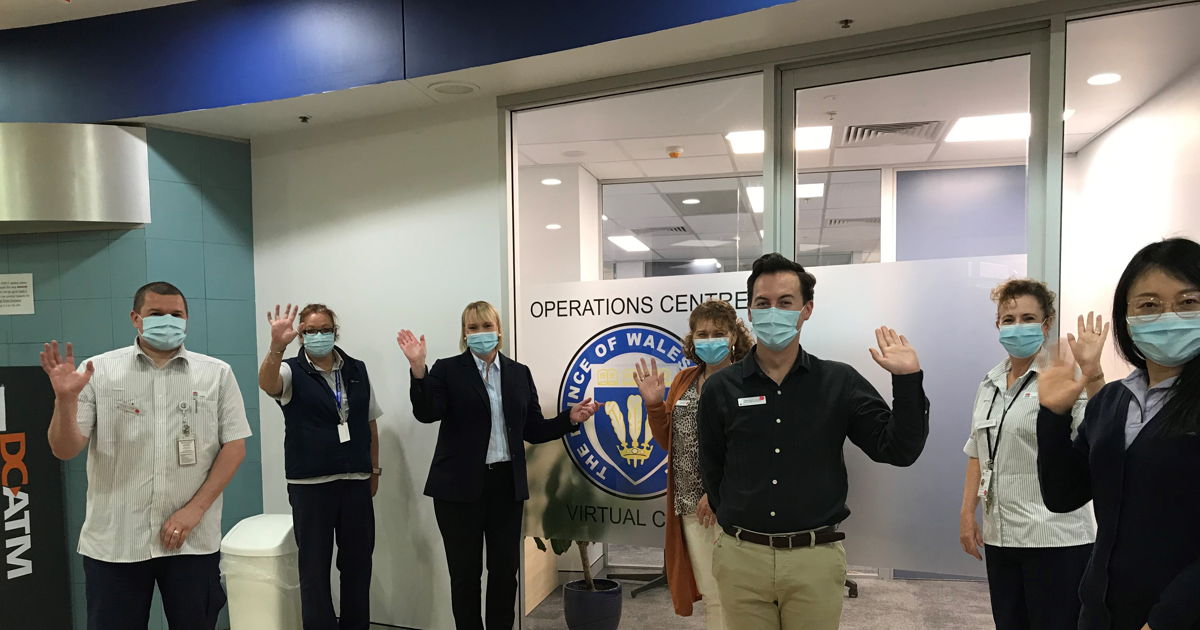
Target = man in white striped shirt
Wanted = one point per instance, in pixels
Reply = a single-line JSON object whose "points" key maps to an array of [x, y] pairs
{"points": [[165, 431]]}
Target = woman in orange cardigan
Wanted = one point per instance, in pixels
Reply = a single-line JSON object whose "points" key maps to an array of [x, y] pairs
{"points": [[716, 338]]}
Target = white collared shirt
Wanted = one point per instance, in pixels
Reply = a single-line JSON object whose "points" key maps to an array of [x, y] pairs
{"points": [[497, 450], [1146, 402], [1019, 517], [285, 398], [134, 414]]}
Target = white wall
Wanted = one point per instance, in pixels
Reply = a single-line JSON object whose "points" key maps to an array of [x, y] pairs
{"points": [[395, 222], [1137, 183], [572, 252]]}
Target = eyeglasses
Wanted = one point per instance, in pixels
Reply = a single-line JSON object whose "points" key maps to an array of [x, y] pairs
{"points": [[1186, 306], [324, 331]]}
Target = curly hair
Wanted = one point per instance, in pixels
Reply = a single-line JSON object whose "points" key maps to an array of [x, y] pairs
{"points": [[723, 315], [1010, 290]]}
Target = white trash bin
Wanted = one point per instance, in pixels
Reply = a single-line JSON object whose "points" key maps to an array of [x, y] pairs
{"points": [[260, 565]]}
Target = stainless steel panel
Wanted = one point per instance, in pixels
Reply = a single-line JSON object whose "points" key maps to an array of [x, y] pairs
{"points": [[63, 177]]}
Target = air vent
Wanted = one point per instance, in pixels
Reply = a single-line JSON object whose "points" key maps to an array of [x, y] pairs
{"points": [[678, 229], [892, 133], [849, 222]]}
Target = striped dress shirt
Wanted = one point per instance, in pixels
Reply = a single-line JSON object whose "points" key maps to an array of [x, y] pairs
{"points": [[1019, 517], [134, 413], [498, 443]]}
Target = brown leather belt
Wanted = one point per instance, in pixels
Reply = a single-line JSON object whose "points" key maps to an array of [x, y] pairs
{"points": [[822, 536]]}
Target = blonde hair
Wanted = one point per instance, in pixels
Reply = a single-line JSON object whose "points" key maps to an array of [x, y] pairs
{"points": [[480, 311]]}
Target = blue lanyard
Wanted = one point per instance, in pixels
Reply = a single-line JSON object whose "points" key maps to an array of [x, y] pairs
{"points": [[337, 389]]}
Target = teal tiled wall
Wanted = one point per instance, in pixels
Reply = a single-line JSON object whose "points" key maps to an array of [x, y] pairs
{"points": [[199, 239]]}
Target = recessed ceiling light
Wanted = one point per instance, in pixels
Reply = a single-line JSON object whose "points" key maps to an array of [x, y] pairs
{"points": [[1104, 78], [454, 88], [743, 142], [1067, 114], [810, 191], [551, 181], [705, 262], [553, 226], [755, 195], [984, 128], [690, 202], [629, 243], [604, 217], [813, 138], [718, 264]]}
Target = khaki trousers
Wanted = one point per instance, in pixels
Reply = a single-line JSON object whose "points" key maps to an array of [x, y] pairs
{"points": [[700, 545], [779, 589]]}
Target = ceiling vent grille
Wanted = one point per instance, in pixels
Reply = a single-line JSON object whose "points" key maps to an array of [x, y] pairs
{"points": [[678, 229], [892, 133], [850, 222]]}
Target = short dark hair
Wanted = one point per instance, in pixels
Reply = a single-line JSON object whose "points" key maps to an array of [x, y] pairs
{"points": [[777, 263], [157, 288], [1010, 290], [1180, 259]]}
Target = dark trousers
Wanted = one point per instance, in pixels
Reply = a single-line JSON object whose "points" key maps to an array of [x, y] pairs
{"points": [[1036, 588], [119, 593], [496, 519], [322, 513]]}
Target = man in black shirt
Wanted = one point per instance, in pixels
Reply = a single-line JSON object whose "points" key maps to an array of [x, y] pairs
{"points": [[772, 429]]}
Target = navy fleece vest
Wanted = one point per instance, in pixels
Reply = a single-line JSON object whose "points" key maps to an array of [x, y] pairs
{"points": [[310, 444]]}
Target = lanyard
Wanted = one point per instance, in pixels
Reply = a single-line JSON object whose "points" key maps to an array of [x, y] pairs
{"points": [[1000, 428], [337, 389]]}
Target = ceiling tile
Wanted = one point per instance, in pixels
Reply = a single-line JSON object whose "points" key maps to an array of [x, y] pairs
{"points": [[882, 156], [852, 177], [726, 224], [962, 151], [639, 188], [863, 194], [748, 162], [698, 185], [595, 151], [812, 159], [852, 213], [628, 208], [614, 170], [687, 167], [809, 219], [693, 146]]}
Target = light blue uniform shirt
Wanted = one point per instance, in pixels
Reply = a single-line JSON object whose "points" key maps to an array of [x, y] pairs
{"points": [[498, 444], [1147, 402]]}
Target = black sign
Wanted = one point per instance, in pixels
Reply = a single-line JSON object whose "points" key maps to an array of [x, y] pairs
{"points": [[34, 567]]}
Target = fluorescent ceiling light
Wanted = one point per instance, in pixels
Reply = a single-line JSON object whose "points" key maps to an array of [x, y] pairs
{"points": [[996, 127], [810, 191], [755, 195], [551, 181], [690, 202], [629, 243], [707, 262], [762, 234], [813, 138], [553, 226], [743, 142], [1104, 78], [1067, 114]]}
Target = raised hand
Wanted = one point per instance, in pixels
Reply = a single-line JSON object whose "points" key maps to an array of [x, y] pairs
{"points": [[283, 326], [415, 350], [64, 378], [894, 353], [650, 381], [1058, 385], [583, 411], [1088, 346]]}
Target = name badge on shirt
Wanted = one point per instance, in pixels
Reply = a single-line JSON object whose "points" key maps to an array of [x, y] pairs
{"points": [[681, 403], [752, 401], [343, 432], [187, 451]]}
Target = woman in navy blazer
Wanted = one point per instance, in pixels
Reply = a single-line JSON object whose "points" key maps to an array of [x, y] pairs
{"points": [[1137, 453], [488, 407]]}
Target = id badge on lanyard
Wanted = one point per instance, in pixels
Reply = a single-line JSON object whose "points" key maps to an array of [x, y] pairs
{"points": [[343, 426], [185, 447]]}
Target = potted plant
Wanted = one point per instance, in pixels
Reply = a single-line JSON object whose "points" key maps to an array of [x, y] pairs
{"points": [[590, 603]]}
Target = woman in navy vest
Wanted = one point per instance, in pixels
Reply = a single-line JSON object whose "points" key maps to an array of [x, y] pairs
{"points": [[331, 459], [1137, 453], [488, 406]]}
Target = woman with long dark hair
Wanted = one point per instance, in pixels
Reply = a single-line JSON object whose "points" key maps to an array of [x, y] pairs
{"points": [[1137, 453]]}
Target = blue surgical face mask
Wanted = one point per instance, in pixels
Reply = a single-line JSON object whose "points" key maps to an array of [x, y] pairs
{"points": [[1168, 339], [1022, 340], [319, 344], [712, 351], [483, 342], [774, 327], [164, 332]]}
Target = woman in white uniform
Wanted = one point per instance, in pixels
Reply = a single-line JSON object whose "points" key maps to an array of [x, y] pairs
{"points": [[1035, 558]]}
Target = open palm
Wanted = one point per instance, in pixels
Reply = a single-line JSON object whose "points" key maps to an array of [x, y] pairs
{"points": [[283, 325], [1089, 344], [1058, 385], [650, 381], [67, 381], [413, 347], [895, 354]]}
